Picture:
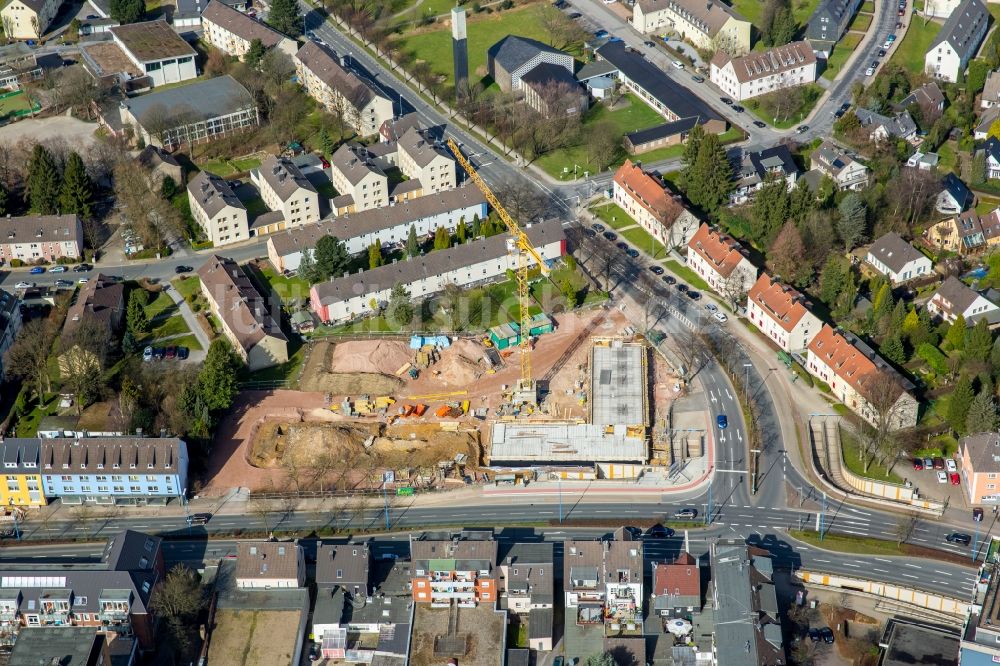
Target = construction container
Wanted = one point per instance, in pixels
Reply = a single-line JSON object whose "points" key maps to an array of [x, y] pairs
{"points": [[465, 406], [541, 323], [442, 411], [419, 410], [505, 335], [384, 401]]}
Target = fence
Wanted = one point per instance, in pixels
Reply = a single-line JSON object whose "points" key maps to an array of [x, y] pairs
{"points": [[897, 593], [33, 107]]}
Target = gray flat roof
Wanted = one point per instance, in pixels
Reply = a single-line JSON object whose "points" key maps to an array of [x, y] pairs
{"points": [[618, 384], [196, 101], [919, 644], [564, 442]]}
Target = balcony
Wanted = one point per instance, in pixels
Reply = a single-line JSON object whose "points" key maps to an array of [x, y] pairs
{"points": [[453, 585]]}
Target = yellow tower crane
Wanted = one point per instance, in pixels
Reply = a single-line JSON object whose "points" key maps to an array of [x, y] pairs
{"points": [[525, 250]]}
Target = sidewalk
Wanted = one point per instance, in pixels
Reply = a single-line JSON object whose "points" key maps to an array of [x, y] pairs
{"points": [[193, 324]]}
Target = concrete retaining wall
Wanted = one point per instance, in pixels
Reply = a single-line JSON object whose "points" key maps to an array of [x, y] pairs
{"points": [[906, 595]]}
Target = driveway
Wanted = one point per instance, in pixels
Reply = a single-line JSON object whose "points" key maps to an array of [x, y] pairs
{"points": [[195, 356]]}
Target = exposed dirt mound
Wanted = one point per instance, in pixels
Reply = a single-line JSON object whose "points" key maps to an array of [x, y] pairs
{"points": [[318, 375], [384, 357], [459, 364]]}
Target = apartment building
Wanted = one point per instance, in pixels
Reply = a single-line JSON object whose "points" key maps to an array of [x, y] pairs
{"points": [[954, 298], [459, 570], [829, 23], [645, 197], [422, 157], [267, 565], [722, 262], [603, 583], [747, 619], [677, 587], [284, 189], [10, 324], [22, 486], [156, 51], [754, 74], [979, 462], [244, 313], [40, 238], [957, 41], [476, 262], [28, 19], [233, 31], [781, 313], [101, 300], [527, 589], [217, 209], [706, 25], [831, 160], [386, 226], [357, 175], [328, 80], [896, 259], [111, 596], [349, 566], [861, 379]]}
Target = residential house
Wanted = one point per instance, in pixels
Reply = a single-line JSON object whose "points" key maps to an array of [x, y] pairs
{"points": [[191, 114], [981, 130], [527, 589], [348, 566], [861, 379], [957, 41], [979, 462], [232, 31], [28, 19], [966, 232], [660, 212], [846, 171], [473, 263], [658, 90], [102, 300], [992, 150], [459, 569], [747, 621], [246, 318], [40, 238], [156, 51], [10, 325], [896, 259], [782, 314], [217, 209], [603, 583], [757, 166], [358, 177], [677, 587], [991, 92], [161, 165], [940, 8], [421, 157], [954, 298], [328, 81], [954, 197], [513, 57], [828, 24], [65, 646], [111, 596], [760, 73], [706, 25], [928, 97], [551, 90], [881, 128], [285, 190], [387, 225], [22, 472], [722, 262], [353, 628], [266, 565], [19, 64]]}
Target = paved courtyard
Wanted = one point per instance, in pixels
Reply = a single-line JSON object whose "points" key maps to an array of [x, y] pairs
{"points": [[77, 133]]}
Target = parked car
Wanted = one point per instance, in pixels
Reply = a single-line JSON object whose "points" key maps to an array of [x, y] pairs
{"points": [[693, 295], [722, 421], [682, 287], [64, 284], [939, 463], [711, 307], [590, 233], [634, 532], [621, 246], [726, 101], [677, 64], [158, 353], [669, 279], [632, 252], [881, 53], [686, 513], [738, 109], [697, 79], [575, 15], [659, 532], [601, 34], [721, 317], [802, 129], [147, 354], [815, 636], [657, 270], [24, 285], [955, 479], [610, 235], [918, 464], [942, 477], [314, 652], [928, 463], [82, 281], [649, 44], [759, 123], [959, 538], [869, 71], [198, 518], [826, 633], [182, 353], [171, 352], [182, 269], [37, 270], [597, 226], [82, 268], [950, 465], [977, 514], [57, 269]]}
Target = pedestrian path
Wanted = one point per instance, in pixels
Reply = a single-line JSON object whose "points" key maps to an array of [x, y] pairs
{"points": [[189, 318]]}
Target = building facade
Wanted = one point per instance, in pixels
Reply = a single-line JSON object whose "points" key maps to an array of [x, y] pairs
{"points": [[422, 157], [833, 161], [647, 200], [896, 259], [707, 25], [217, 210], [603, 582], [28, 19], [357, 175], [460, 571], [268, 565], [979, 463], [757, 74], [22, 486], [37, 239], [829, 23], [782, 314], [957, 41], [10, 324], [954, 298], [284, 189], [232, 31], [157, 51], [722, 262]]}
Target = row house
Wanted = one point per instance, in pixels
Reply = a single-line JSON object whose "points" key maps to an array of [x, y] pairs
{"points": [[112, 596], [22, 482], [896, 259], [527, 589], [677, 587], [954, 298], [10, 323], [603, 582], [268, 565], [233, 32], [476, 262], [40, 238], [459, 570], [966, 232], [645, 197], [721, 261], [755, 74], [861, 379], [782, 314]]}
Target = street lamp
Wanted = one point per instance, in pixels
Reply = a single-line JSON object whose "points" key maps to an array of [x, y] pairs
{"points": [[746, 381], [753, 471], [560, 499]]}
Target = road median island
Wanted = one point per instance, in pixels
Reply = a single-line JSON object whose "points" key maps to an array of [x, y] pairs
{"points": [[845, 543]]}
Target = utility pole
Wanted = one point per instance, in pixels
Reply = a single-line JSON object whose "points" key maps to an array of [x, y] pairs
{"points": [[560, 501], [708, 513], [821, 517], [387, 477], [975, 544], [746, 383]]}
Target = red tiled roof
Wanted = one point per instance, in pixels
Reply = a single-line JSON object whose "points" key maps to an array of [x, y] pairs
{"points": [[650, 192], [844, 359], [780, 302], [680, 578], [719, 250]]}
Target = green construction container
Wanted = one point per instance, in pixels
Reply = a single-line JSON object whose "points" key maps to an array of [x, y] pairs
{"points": [[541, 324], [505, 335]]}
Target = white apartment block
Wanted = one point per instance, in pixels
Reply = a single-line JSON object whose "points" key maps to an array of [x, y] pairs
{"points": [[782, 314], [28, 19], [720, 260], [217, 210], [957, 41], [707, 25], [756, 74], [358, 177], [232, 31], [284, 189]]}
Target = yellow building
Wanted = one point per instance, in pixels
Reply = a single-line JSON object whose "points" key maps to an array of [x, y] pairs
{"points": [[22, 478]]}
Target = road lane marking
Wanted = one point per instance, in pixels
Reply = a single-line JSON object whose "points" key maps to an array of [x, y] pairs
{"points": [[909, 576]]}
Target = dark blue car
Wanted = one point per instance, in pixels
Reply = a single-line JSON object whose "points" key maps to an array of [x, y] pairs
{"points": [[722, 421]]}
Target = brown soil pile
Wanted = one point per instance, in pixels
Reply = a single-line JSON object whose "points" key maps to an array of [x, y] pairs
{"points": [[459, 364], [383, 357], [317, 376]]}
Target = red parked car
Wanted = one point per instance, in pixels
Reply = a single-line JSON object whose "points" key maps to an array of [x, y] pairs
{"points": [[954, 478], [918, 464]]}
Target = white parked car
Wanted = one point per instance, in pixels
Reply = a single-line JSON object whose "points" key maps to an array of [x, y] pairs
{"points": [[721, 317], [24, 285], [942, 477], [949, 463], [57, 269], [677, 64], [710, 307], [869, 71]]}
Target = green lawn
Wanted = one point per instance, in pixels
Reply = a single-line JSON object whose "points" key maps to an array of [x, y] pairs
{"points": [[841, 52], [220, 168], [948, 158], [643, 242], [189, 341], [635, 116], [167, 327], [613, 216], [752, 10], [293, 288], [911, 50], [843, 543], [255, 208], [812, 93], [860, 23], [434, 46], [27, 425], [286, 371], [189, 287], [686, 274], [162, 305], [852, 458], [868, 7], [13, 103]]}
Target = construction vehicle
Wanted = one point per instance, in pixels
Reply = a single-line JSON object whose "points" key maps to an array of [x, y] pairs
{"points": [[526, 390]]}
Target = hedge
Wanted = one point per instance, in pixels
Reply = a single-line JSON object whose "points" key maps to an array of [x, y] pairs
{"points": [[933, 357]]}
